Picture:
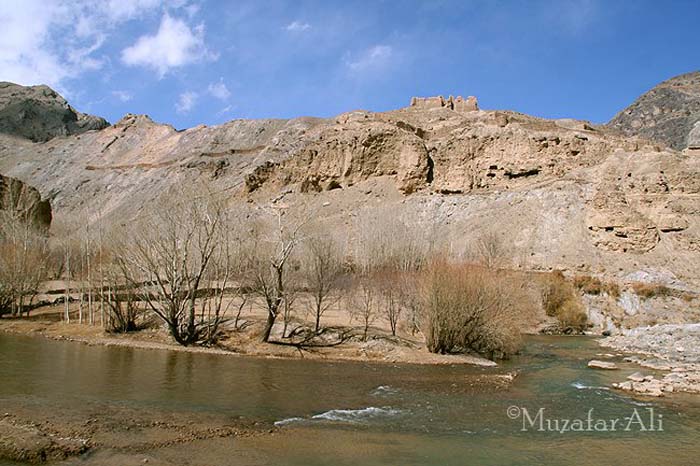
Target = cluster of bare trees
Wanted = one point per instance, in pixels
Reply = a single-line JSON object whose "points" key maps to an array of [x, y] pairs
{"points": [[179, 261], [193, 263], [24, 262]]}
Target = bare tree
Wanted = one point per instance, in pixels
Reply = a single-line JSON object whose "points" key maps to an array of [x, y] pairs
{"points": [[225, 278], [390, 296], [410, 299], [490, 250], [290, 297], [23, 262], [386, 240], [364, 303], [269, 255], [167, 257], [322, 270]]}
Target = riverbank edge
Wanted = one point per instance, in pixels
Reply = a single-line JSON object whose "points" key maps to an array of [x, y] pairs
{"points": [[92, 336], [679, 376]]}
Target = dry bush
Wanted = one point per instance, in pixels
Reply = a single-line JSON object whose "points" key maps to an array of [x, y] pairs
{"points": [[594, 286], [472, 308], [560, 300], [657, 290]]}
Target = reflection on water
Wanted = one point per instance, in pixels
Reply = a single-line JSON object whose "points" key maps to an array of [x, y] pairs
{"points": [[355, 413]]}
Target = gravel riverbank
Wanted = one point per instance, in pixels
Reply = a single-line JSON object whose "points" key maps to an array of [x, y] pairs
{"points": [[673, 349]]}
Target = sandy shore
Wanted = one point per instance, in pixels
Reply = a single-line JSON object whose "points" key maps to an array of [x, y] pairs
{"points": [[379, 348], [35, 431]]}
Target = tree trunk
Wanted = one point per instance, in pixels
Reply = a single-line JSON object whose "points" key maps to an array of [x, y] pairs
{"points": [[268, 326], [318, 319]]}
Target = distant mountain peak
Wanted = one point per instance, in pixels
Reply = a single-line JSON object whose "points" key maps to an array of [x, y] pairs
{"points": [[39, 113], [666, 114]]}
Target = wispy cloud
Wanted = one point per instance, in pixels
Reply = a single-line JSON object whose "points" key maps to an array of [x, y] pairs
{"points": [[186, 102], [219, 90], [297, 26], [123, 96], [224, 111], [175, 44], [374, 57]]}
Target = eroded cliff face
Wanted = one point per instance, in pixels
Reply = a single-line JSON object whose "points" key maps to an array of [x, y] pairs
{"points": [[24, 203]]}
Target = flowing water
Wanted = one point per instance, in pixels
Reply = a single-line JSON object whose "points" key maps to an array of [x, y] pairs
{"points": [[357, 413]]}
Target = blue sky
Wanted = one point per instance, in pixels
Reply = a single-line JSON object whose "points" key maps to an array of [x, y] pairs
{"points": [[188, 62]]}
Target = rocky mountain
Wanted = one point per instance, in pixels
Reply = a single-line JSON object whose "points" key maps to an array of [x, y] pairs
{"points": [[561, 194], [24, 202], [668, 114], [39, 113]]}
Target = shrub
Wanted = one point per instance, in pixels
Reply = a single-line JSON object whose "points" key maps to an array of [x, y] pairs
{"points": [[656, 290], [592, 285], [472, 308], [560, 300]]}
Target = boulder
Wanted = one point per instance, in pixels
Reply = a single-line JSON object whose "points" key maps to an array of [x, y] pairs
{"points": [[605, 365]]}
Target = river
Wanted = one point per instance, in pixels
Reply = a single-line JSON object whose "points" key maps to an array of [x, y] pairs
{"points": [[361, 413]]}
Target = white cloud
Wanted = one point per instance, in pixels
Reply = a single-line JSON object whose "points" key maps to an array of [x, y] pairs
{"points": [[374, 57], [122, 10], [186, 102], [124, 96], [297, 26], [219, 90], [24, 56], [48, 42], [174, 45]]}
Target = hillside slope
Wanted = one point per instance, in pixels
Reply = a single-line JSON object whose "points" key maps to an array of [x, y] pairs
{"points": [[561, 194], [667, 114]]}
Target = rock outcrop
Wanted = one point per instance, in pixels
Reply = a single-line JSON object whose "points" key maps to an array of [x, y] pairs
{"points": [[24, 202], [39, 113], [694, 137], [666, 114]]}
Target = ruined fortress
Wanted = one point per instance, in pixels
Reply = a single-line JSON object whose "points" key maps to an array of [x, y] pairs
{"points": [[458, 104]]}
